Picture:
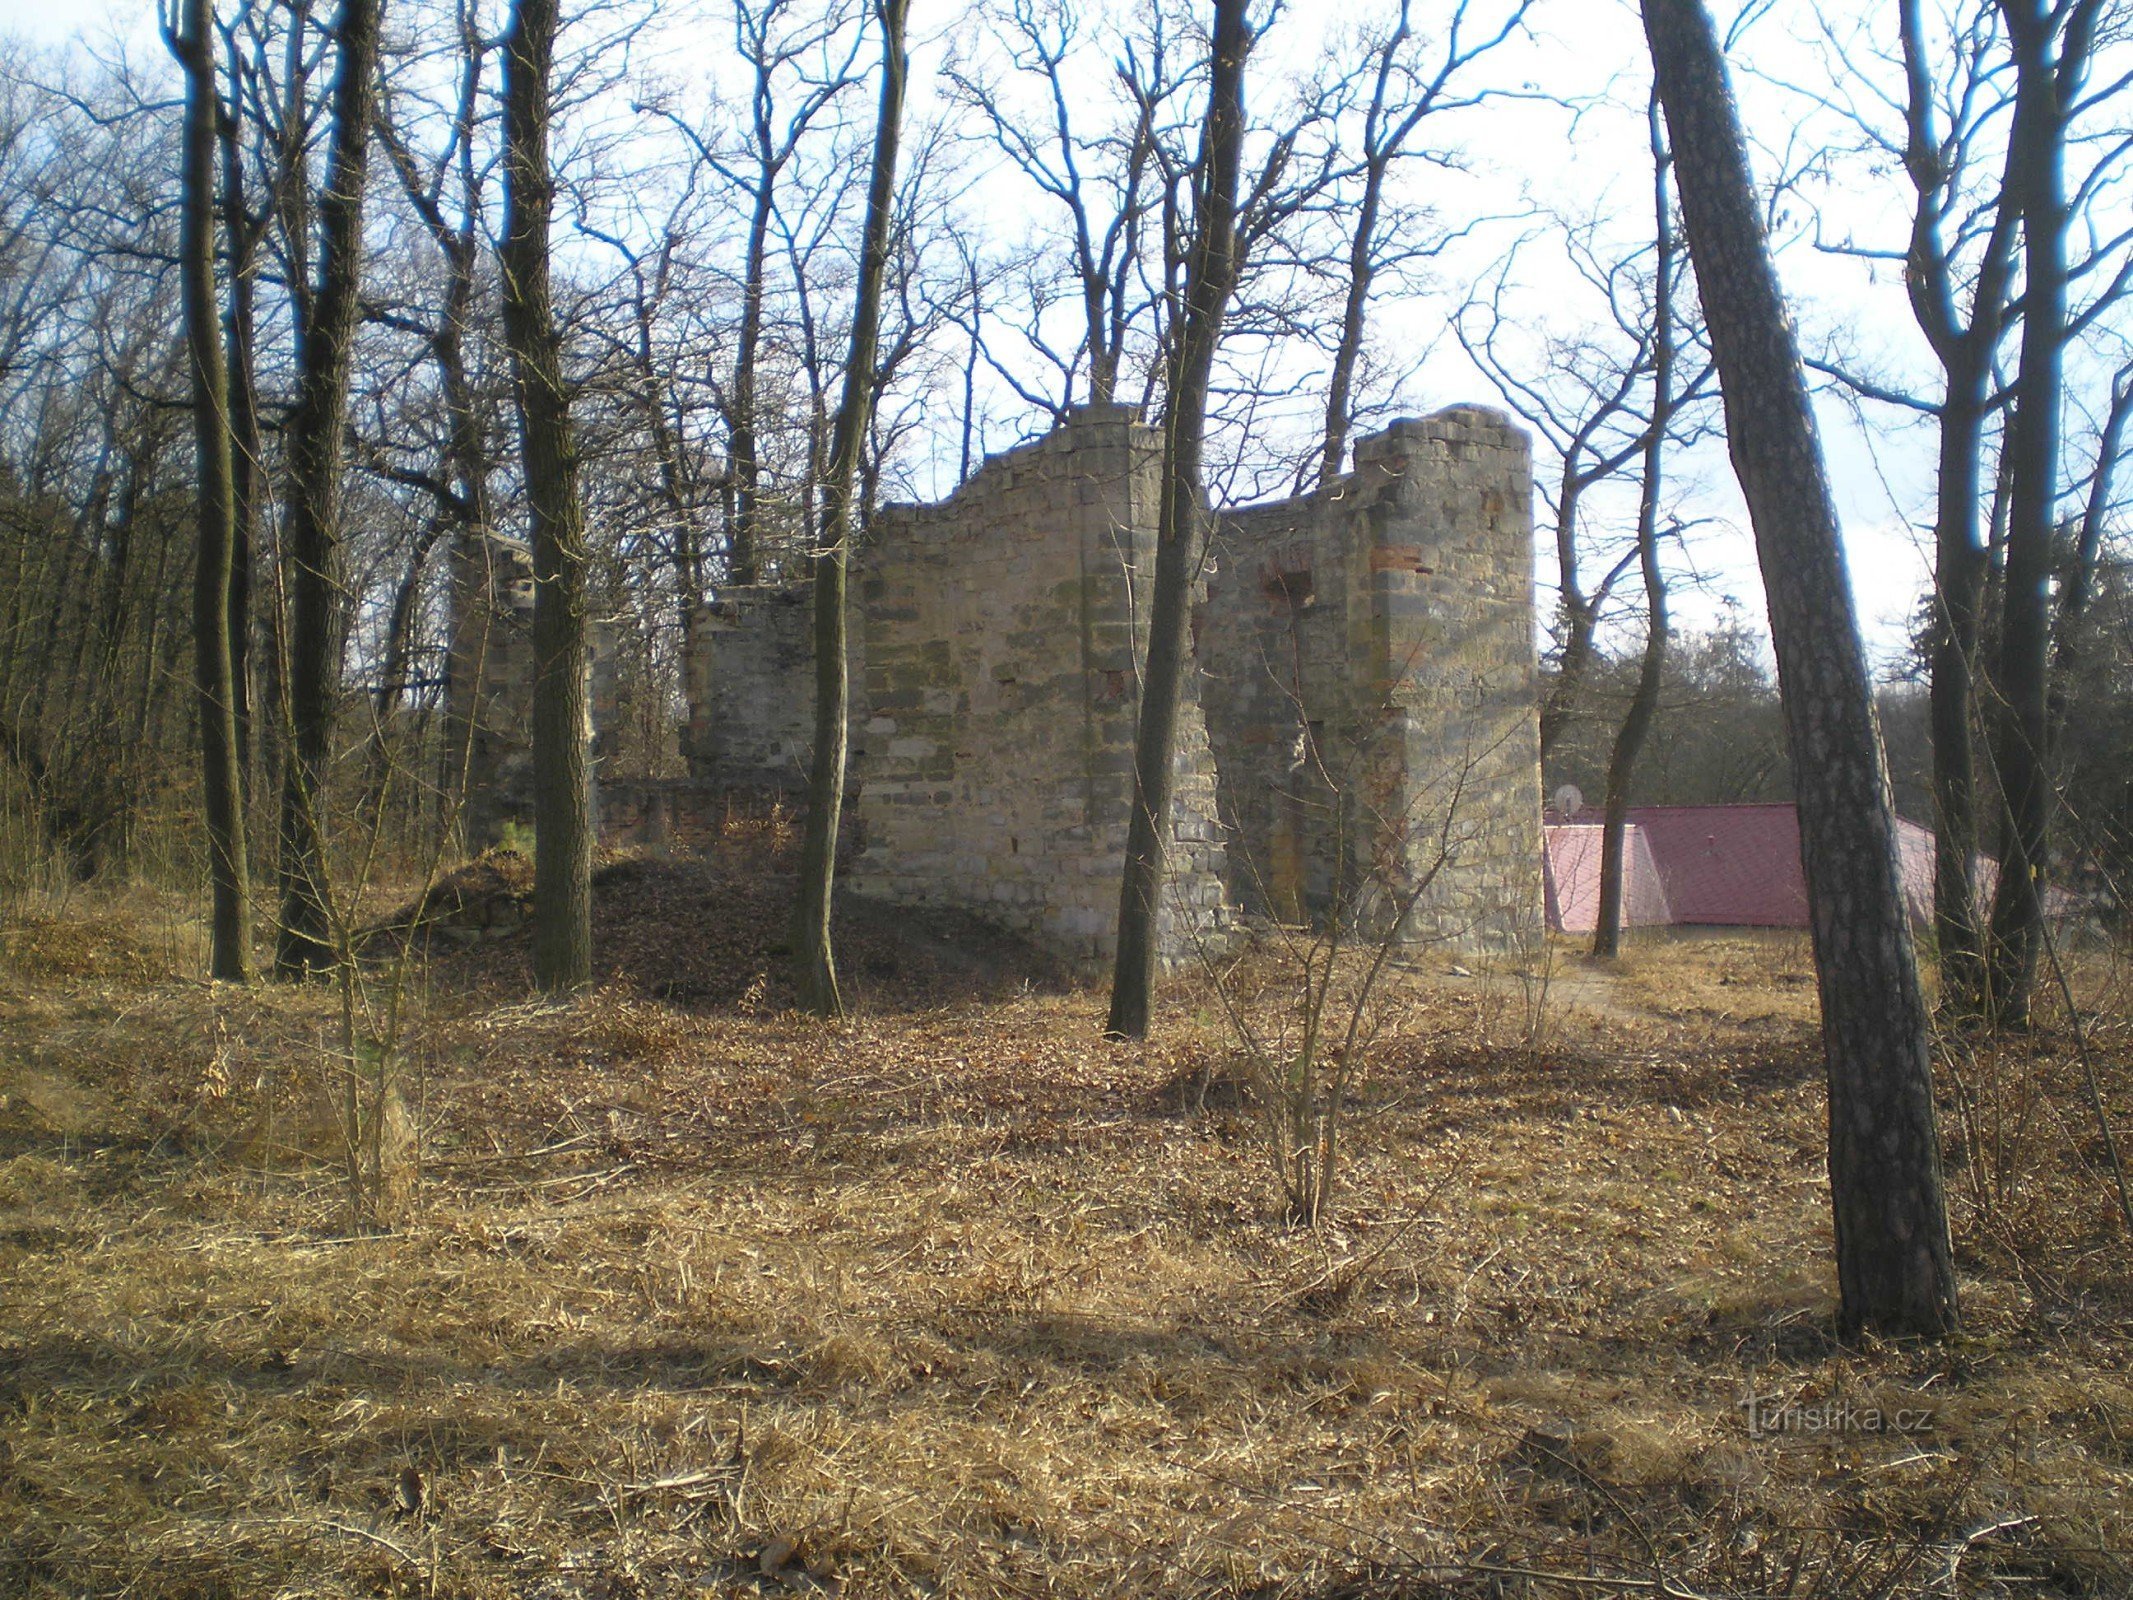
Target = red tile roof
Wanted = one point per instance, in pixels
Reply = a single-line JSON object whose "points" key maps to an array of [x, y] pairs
{"points": [[1712, 866], [1573, 879]]}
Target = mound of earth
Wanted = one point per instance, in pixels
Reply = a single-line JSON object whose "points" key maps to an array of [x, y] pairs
{"points": [[711, 932]]}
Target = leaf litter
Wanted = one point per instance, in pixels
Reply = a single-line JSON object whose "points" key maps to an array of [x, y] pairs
{"points": [[958, 1299]]}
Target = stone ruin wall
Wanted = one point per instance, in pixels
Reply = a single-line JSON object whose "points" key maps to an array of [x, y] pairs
{"points": [[492, 653], [1369, 657], [1004, 627], [751, 689], [1362, 717]]}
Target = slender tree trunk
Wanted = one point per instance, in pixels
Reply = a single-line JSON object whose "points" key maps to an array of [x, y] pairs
{"points": [[969, 421], [465, 463], [1644, 703], [814, 956], [1959, 596], [316, 448], [396, 662], [2023, 680], [1182, 530], [562, 710], [1894, 1270], [241, 342], [1965, 352], [744, 468], [222, 780], [472, 583], [1348, 352], [2070, 630], [1580, 612]]}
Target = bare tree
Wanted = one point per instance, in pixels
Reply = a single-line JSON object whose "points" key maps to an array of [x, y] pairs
{"points": [[1969, 232], [1181, 538], [562, 711], [460, 481], [1958, 264], [2072, 642], [316, 454], [1402, 95], [1644, 702], [1585, 393], [191, 40], [814, 955], [2051, 42], [1103, 182], [1894, 1270], [799, 65], [1965, 347]]}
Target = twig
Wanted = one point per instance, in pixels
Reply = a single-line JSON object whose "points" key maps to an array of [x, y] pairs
{"points": [[378, 1539], [502, 1156], [679, 1480], [1983, 1530]]}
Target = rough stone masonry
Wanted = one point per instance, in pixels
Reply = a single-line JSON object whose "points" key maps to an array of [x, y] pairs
{"points": [[1359, 741]]}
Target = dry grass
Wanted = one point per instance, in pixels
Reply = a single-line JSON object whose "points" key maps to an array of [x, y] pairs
{"points": [[704, 1298]]}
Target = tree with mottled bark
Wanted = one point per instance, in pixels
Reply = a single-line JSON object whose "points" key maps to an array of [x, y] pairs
{"points": [[1895, 1274], [1183, 521], [814, 954], [312, 514], [214, 672], [562, 709]]}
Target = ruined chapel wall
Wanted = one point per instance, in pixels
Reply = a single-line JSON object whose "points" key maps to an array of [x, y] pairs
{"points": [[1363, 690], [1275, 656], [489, 690], [1371, 685], [753, 704], [1004, 627], [489, 683]]}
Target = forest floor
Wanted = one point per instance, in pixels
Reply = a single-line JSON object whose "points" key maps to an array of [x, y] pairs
{"points": [[697, 1297]]}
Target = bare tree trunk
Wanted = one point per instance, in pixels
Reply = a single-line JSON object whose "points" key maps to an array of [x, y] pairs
{"points": [[222, 774], [395, 661], [1894, 1271], [814, 956], [1959, 595], [472, 586], [1965, 352], [465, 464], [2070, 630], [2036, 165], [1181, 538], [744, 467], [244, 233], [1644, 703], [316, 449], [1348, 351], [562, 709]]}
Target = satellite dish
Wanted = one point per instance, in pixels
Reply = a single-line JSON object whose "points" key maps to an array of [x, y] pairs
{"points": [[1569, 801]]}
